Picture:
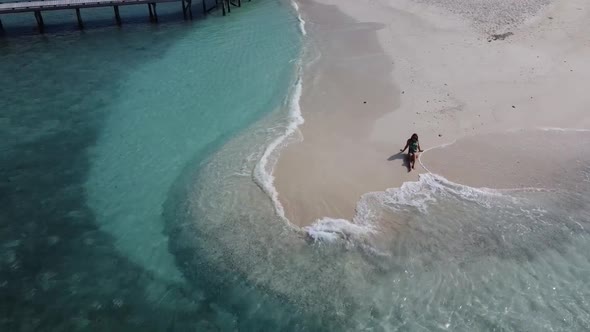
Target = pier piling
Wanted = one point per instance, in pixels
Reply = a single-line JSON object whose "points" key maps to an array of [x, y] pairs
{"points": [[153, 13], [79, 16], [117, 16], [39, 19], [189, 4]]}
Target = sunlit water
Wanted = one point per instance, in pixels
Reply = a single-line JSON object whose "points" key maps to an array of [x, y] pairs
{"points": [[136, 195], [431, 255]]}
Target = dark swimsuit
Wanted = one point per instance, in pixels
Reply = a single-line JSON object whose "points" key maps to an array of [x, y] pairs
{"points": [[413, 146]]}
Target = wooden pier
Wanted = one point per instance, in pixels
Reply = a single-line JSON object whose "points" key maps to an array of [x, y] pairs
{"points": [[37, 7]]}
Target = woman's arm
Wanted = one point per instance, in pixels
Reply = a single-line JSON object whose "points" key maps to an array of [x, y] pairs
{"points": [[419, 148], [405, 147]]}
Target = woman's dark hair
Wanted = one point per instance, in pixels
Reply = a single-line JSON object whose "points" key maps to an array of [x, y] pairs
{"points": [[415, 136]]}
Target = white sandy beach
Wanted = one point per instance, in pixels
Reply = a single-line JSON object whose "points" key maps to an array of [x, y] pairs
{"points": [[389, 68]]}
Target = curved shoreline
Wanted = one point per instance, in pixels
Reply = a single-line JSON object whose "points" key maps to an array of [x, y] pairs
{"points": [[263, 172], [333, 123], [347, 137]]}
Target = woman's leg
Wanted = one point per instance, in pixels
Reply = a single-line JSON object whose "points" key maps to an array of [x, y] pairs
{"points": [[413, 160]]}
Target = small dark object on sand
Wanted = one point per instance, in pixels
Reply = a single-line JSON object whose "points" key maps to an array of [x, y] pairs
{"points": [[500, 36]]}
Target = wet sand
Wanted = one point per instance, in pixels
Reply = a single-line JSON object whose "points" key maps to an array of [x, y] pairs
{"points": [[514, 159], [344, 92]]}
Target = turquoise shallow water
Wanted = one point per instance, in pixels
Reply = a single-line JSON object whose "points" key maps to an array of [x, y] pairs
{"points": [[430, 256], [96, 127], [134, 186]]}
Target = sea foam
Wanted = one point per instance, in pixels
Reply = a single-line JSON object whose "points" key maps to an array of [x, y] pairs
{"points": [[418, 195], [263, 172], [301, 20]]}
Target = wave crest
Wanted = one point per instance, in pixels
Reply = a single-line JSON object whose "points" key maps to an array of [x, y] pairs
{"points": [[415, 196]]}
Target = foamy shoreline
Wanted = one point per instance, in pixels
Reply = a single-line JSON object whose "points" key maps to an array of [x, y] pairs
{"points": [[447, 82], [263, 171]]}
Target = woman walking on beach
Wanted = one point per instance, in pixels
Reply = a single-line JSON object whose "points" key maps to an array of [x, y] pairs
{"points": [[413, 146]]}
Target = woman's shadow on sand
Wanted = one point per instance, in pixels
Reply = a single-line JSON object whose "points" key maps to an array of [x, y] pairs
{"points": [[404, 158]]}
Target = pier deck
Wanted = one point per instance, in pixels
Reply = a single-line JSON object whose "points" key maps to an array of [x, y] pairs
{"points": [[37, 7], [32, 6]]}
